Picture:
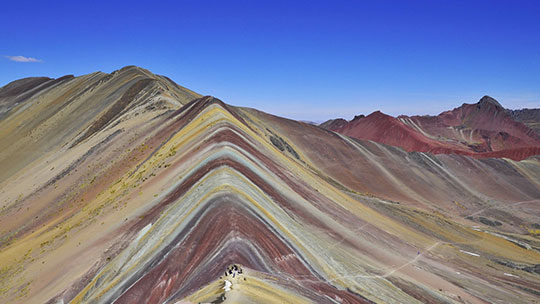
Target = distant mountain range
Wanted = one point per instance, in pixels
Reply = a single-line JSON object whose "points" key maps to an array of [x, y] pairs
{"points": [[483, 129]]}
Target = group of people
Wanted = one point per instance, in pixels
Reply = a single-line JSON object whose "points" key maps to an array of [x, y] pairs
{"points": [[233, 270]]}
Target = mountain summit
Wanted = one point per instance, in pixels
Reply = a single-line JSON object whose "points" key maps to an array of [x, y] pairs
{"points": [[489, 101]]}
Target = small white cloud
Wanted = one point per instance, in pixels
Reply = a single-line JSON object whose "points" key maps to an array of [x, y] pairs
{"points": [[23, 59]]}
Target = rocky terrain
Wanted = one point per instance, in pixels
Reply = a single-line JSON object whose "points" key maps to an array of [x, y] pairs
{"points": [[128, 188], [530, 117]]}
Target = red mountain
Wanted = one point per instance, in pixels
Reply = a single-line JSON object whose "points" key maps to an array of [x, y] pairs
{"points": [[484, 129]]}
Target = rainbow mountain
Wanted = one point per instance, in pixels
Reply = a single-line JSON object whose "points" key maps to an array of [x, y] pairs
{"points": [[128, 188]]}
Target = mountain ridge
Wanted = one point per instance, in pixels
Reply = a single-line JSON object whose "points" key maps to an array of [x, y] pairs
{"points": [[480, 130], [171, 191]]}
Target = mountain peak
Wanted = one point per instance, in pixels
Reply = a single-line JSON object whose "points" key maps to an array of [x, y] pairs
{"points": [[379, 114], [134, 70], [356, 117], [333, 124], [489, 101]]}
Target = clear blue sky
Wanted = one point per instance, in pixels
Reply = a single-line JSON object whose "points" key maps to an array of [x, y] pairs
{"points": [[301, 59]]}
